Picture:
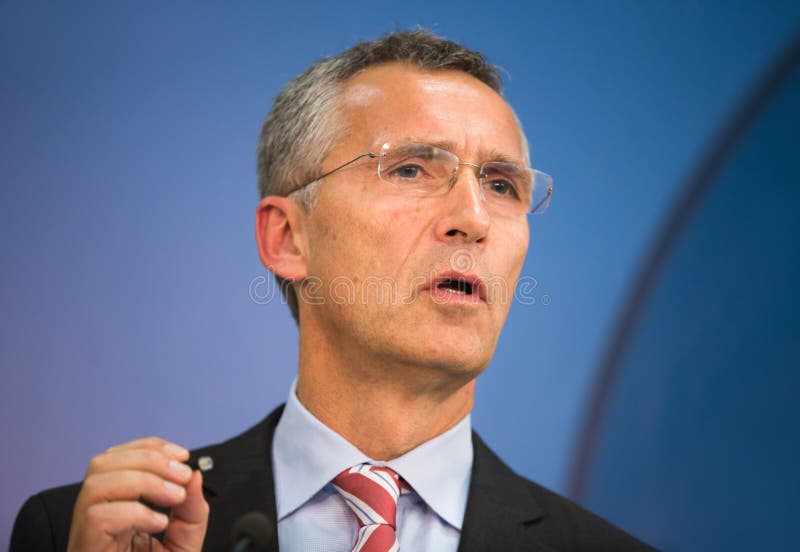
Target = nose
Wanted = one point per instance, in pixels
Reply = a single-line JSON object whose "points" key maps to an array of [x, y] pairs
{"points": [[463, 212]]}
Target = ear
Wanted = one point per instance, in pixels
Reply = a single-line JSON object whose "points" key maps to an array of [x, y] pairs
{"points": [[279, 234]]}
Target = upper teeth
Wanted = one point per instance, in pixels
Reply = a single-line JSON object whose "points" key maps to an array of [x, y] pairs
{"points": [[460, 292]]}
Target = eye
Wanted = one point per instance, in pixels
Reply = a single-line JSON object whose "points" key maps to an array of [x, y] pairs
{"points": [[504, 181], [501, 187], [406, 172]]}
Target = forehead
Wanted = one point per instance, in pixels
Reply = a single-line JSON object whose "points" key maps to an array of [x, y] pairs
{"points": [[397, 101]]}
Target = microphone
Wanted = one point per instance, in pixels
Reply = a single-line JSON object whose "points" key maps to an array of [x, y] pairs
{"points": [[253, 532]]}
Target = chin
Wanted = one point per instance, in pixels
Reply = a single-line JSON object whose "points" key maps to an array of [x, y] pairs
{"points": [[463, 362], [466, 346]]}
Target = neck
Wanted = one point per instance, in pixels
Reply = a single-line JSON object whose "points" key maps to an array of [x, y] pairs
{"points": [[383, 408]]}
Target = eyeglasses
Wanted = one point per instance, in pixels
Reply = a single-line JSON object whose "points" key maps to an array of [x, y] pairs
{"points": [[423, 170]]}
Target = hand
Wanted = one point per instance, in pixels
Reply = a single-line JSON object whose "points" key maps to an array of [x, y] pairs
{"points": [[108, 515]]}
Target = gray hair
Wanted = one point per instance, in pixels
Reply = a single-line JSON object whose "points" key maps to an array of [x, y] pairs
{"points": [[302, 126]]}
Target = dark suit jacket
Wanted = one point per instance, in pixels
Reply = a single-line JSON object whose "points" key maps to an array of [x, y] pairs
{"points": [[505, 512]]}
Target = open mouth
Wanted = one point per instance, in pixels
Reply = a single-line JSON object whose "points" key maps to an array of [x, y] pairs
{"points": [[461, 288], [455, 286]]}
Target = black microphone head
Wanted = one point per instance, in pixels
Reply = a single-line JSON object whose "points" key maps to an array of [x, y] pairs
{"points": [[253, 532]]}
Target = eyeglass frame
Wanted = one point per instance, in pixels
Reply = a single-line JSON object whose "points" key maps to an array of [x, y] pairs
{"points": [[372, 155]]}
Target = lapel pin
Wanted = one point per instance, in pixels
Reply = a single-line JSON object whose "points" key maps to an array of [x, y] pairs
{"points": [[202, 463]]}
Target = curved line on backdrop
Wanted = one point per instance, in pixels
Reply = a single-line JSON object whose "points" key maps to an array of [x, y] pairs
{"points": [[699, 184]]}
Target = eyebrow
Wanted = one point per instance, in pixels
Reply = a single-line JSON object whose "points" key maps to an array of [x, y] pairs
{"points": [[484, 155]]}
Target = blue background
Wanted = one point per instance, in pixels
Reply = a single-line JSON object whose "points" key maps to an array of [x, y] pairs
{"points": [[127, 195], [697, 443]]}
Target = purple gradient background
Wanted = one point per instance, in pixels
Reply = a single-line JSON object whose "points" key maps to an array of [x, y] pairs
{"points": [[128, 194]]}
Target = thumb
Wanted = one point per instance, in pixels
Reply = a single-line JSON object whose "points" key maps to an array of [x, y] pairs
{"points": [[188, 521]]}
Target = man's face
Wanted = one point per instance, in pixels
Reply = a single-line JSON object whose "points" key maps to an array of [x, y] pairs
{"points": [[380, 259]]}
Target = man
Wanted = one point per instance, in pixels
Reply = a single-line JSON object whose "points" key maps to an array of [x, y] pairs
{"points": [[395, 192]]}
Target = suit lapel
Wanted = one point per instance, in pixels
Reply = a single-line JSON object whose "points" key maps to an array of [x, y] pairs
{"points": [[500, 510], [240, 482], [500, 515]]}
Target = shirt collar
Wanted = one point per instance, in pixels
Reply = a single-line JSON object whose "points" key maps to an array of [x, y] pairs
{"points": [[307, 455], [439, 471]]}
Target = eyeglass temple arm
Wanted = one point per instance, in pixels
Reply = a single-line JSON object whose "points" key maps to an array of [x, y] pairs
{"points": [[545, 198], [343, 165]]}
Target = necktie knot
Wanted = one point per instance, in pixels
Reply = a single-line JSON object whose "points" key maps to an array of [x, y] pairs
{"points": [[371, 493]]}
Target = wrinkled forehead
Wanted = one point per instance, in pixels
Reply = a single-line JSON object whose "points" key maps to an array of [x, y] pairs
{"points": [[400, 102]]}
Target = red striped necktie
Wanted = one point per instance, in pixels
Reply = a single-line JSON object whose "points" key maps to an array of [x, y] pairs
{"points": [[371, 492]]}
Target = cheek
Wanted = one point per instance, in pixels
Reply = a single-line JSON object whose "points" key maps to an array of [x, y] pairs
{"points": [[390, 237], [367, 239], [520, 250], [514, 251]]}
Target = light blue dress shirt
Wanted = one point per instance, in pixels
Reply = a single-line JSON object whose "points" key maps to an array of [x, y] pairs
{"points": [[312, 517]]}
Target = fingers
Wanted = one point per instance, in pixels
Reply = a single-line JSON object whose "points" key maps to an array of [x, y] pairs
{"points": [[153, 460], [195, 508], [140, 542], [108, 510], [154, 443], [131, 485], [189, 520], [112, 518]]}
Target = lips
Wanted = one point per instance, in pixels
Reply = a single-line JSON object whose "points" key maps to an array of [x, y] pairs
{"points": [[458, 286]]}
